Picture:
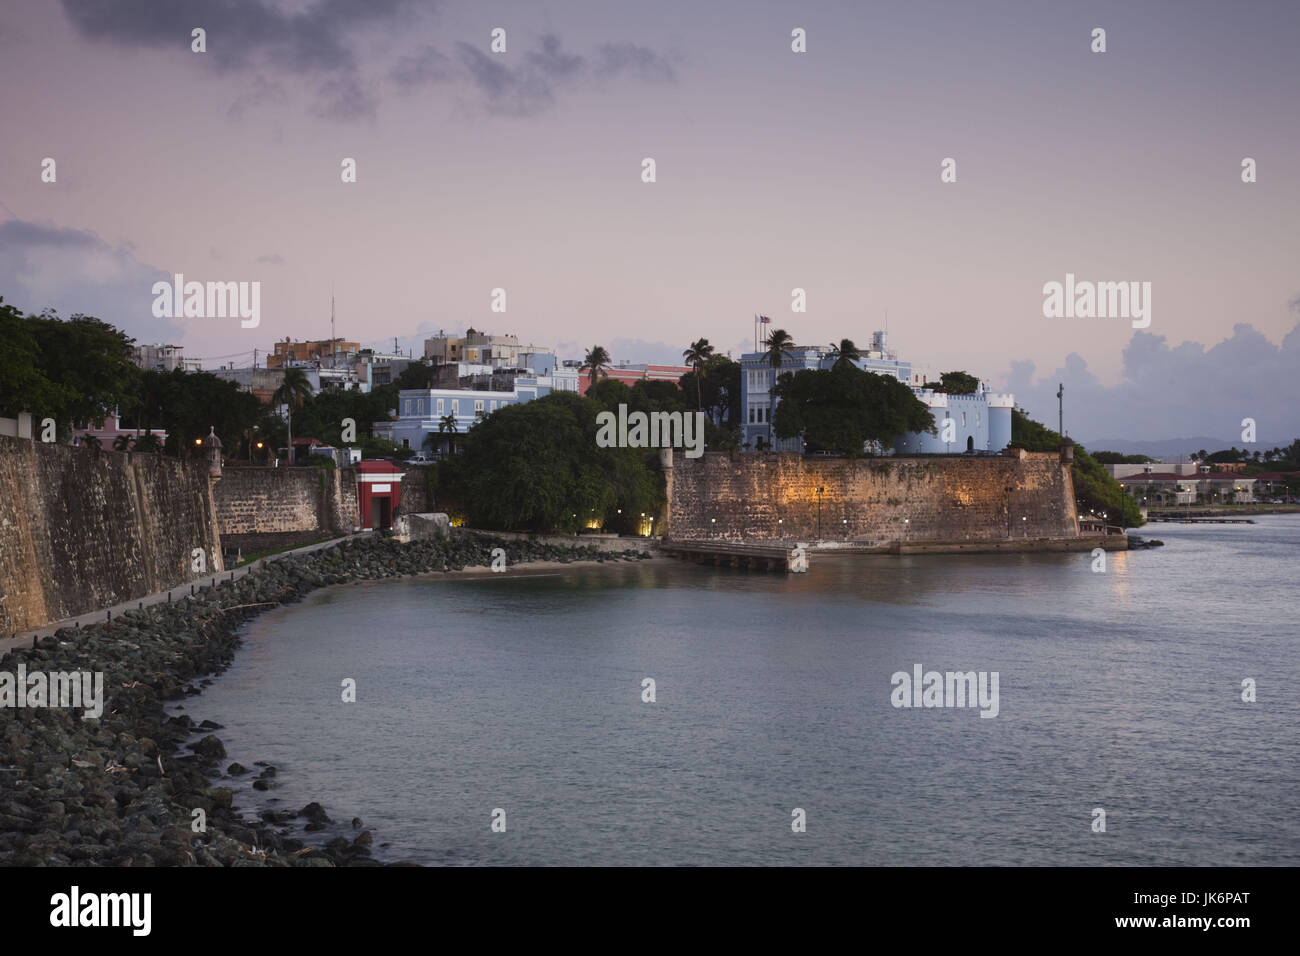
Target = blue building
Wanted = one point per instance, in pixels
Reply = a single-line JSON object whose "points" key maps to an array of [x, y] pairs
{"points": [[980, 422], [484, 390]]}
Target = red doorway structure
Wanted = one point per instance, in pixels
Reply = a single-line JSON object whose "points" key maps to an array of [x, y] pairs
{"points": [[379, 492]]}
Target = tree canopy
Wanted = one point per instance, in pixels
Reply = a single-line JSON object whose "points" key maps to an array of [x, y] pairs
{"points": [[842, 408]]}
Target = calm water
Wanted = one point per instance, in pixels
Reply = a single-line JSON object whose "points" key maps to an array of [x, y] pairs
{"points": [[1119, 690]]}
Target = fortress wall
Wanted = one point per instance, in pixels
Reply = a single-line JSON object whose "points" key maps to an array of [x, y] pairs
{"points": [[755, 497]]}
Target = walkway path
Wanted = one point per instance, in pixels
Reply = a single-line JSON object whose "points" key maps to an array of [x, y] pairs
{"points": [[175, 594]]}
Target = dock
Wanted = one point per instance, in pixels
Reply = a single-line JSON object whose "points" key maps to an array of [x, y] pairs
{"points": [[756, 557], [1171, 520]]}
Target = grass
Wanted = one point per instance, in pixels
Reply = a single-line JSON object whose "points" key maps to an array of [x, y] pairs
{"points": [[259, 555]]}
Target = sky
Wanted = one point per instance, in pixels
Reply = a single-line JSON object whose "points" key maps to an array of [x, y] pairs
{"points": [[775, 170]]}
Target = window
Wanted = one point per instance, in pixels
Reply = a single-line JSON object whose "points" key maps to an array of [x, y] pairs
{"points": [[406, 443], [440, 404], [494, 406], [407, 406], [455, 406], [963, 419], [478, 405]]}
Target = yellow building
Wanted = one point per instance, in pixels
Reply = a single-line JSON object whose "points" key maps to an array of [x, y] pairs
{"points": [[343, 353]]}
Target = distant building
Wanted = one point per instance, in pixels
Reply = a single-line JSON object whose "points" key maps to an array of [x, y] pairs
{"points": [[112, 430], [629, 373], [329, 353], [468, 398], [1152, 467], [479, 348], [1158, 488], [980, 422], [164, 358]]}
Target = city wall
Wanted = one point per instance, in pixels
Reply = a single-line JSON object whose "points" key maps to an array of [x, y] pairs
{"points": [[264, 508], [80, 531], [870, 501]]}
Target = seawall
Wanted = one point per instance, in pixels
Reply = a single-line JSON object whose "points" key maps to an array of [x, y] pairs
{"points": [[871, 502], [80, 531]]}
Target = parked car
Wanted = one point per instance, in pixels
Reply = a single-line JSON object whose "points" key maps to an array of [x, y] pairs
{"points": [[420, 458]]}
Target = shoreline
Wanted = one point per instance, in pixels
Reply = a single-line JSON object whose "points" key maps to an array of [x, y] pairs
{"points": [[131, 787]]}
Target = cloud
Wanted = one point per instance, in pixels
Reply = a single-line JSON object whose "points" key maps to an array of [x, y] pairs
{"points": [[344, 99], [552, 62], [240, 32], [504, 91], [74, 270], [262, 91], [1173, 392], [422, 69], [616, 59]]}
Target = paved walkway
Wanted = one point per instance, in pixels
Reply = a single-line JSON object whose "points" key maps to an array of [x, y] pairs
{"points": [[177, 593]]}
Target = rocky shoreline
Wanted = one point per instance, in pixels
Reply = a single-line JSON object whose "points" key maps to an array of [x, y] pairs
{"points": [[126, 789]]}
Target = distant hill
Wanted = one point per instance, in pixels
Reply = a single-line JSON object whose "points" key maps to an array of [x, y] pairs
{"points": [[1171, 449]]}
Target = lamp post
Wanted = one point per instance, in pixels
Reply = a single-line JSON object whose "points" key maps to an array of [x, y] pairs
{"points": [[820, 489]]}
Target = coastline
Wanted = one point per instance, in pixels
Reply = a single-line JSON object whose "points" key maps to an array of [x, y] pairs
{"points": [[139, 787]]}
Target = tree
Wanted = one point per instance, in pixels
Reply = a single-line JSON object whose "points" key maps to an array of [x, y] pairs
{"points": [[24, 386], [416, 375], [596, 361], [696, 356], [778, 345], [719, 380], [293, 391], [1093, 485], [123, 443], [447, 426], [536, 466], [842, 408], [846, 353]]}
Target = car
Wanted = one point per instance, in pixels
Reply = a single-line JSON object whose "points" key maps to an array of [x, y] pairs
{"points": [[419, 458]]}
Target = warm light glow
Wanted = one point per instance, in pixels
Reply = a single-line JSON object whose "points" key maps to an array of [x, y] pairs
{"points": [[198, 441]]}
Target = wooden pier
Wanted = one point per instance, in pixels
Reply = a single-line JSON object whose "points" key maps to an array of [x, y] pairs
{"points": [[755, 557], [1193, 520]]}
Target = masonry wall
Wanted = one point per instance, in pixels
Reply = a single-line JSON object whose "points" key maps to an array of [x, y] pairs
{"points": [[261, 501], [79, 532], [876, 501]]}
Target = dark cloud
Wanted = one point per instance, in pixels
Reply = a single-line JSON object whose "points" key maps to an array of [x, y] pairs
{"points": [[529, 88], [618, 59], [504, 91], [240, 32], [344, 99], [322, 39], [262, 91], [552, 62], [74, 270], [424, 68], [1171, 392]]}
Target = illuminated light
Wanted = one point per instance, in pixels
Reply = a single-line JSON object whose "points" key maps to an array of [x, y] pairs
{"points": [[198, 441]]}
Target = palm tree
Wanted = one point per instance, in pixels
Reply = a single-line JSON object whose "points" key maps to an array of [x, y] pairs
{"points": [[597, 360], [778, 345], [293, 391], [846, 353], [448, 424], [695, 356], [123, 443]]}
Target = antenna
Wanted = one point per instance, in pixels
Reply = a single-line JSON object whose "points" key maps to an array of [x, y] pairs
{"points": [[333, 345]]}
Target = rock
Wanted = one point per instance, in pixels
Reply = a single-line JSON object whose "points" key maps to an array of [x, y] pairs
{"points": [[210, 747], [236, 770]]}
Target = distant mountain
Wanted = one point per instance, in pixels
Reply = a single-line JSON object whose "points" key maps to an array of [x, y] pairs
{"points": [[1171, 449]]}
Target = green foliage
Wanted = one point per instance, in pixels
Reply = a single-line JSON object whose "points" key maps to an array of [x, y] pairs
{"points": [[1115, 458], [842, 408], [595, 362], [537, 467], [718, 385], [24, 386], [1093, 485], [416, 375]]}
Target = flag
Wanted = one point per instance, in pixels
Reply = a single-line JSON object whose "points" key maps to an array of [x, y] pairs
{"points": [[764, 319]]}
